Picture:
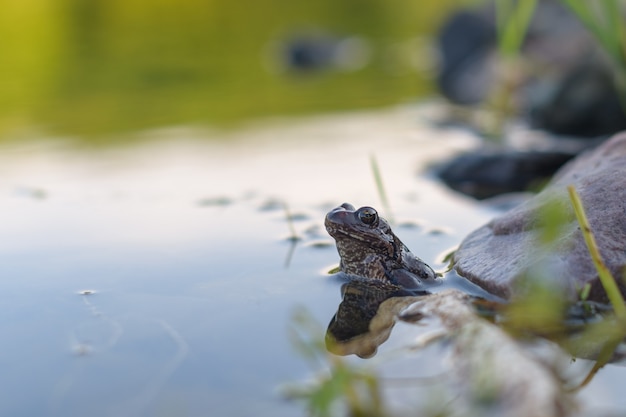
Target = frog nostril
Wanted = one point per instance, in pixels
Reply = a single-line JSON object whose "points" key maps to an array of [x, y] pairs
{"points": [[347, 206]]}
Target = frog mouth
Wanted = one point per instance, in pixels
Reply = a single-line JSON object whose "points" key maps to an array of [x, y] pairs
{"points": [[333, 230]]}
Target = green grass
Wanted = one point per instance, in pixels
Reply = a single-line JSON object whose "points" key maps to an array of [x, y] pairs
{"points": [[512, 20], [380, 187], [606, 278], [352, 388], [605, 20]]}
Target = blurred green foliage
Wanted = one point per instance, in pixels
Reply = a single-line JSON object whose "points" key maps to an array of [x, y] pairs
{"points": [[341, 388], [90, 67]]}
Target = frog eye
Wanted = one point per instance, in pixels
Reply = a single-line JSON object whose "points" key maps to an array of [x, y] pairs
{"points": [[367, 215]]}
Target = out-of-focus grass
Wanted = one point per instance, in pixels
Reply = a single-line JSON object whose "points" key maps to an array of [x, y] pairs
{"points": [[512, 20], [606, 278], [380, 187], [605, 20], [341, 389]]}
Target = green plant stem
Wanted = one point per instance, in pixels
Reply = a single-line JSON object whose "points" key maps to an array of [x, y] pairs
{"points": [[289, 218], [512, 19], [606, 278], [381, 188], [604, 20], [606, 354]]}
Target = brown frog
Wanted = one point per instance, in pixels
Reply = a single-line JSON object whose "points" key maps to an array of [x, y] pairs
{"points": [[369, 249]]}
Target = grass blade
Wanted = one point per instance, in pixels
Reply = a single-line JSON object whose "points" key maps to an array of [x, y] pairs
{"points": [[606, 278], [512, 23], [381, 188]]}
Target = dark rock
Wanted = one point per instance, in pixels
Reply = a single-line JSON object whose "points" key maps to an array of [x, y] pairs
{"points": [[585, 103], [500, 254], [570, 89], [465, 42], [487, 173]]}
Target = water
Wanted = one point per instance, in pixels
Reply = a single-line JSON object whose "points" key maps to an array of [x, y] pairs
{"points": [[88, 68], [159, 279]]}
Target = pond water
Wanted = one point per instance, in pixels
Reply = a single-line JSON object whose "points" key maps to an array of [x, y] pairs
{"points": [[94, 67], [159, 278]]}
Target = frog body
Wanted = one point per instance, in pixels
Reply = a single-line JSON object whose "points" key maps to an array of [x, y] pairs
{"points": [[369, 249]]}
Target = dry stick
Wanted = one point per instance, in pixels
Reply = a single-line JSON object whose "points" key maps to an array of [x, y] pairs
{"points": [[607, 280]]}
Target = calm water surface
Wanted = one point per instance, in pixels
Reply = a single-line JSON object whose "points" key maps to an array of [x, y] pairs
{"points": [[158, 279]]}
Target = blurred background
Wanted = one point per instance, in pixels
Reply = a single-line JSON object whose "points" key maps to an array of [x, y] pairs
{"points": [[161, 278], [96, 67]]}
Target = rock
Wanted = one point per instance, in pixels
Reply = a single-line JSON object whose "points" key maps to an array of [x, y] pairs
{"points": [[487, 173], [567, 88], [465, 43], [498, 255], [317, 51], [584, 103], [492, 374]]}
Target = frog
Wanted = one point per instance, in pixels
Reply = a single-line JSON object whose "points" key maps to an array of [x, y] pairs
{"points": [[370, 250]]}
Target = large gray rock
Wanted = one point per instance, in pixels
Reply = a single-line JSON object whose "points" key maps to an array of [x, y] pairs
{"points": [[498, 255]]}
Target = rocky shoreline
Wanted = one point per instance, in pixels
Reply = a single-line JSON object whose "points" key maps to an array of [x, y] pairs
{"points": [[499, 255]]}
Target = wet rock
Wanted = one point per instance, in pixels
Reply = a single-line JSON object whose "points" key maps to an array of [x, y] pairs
{"points": [[487, 173], [584, 103], [500, 254]]}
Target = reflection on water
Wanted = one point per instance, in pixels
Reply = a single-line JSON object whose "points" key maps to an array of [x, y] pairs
{"points": [[151, 280], [100, 66], [369, 309], [352, 330]]}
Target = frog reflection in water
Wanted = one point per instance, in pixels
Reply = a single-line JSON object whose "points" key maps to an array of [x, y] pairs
{"points": [[385, 277], [369, 249]]}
